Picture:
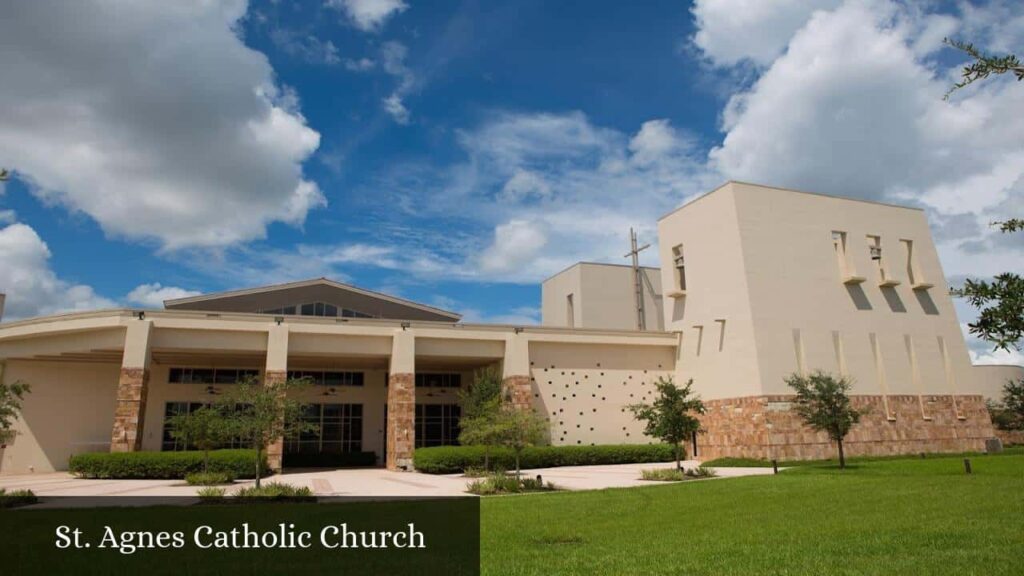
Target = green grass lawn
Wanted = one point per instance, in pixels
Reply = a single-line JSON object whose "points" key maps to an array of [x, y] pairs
{"points": [[756, 463], [902, 517]]}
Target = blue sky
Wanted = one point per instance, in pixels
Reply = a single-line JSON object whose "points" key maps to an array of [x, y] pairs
{"points": [[457, 153]]}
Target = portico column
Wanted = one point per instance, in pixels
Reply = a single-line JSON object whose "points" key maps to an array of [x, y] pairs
{"points": [[515, 377], [401, 425], [132, 388], [276, 372]]}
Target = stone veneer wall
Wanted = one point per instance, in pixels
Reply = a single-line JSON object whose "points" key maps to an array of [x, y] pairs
{"points": [[765, 427], [130, 410], [401, 433], [275, 451], [518, 391], [1010, 437]]}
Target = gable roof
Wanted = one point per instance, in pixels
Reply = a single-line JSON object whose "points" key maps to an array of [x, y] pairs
{"points": [[179, 302]]}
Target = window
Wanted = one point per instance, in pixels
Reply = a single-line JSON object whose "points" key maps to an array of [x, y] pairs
{"points": [[570, 312], [847, 272], [679, 264], [885, 279], [169, 443], [327, 378], [210, 375], [438, 380], [437, 425], [322, 309], [339, 429], [172, 409], [914, 276]]}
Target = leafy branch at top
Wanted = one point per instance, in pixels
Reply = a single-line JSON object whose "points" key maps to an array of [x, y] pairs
{"points": [[1000, 301], [983, 65]]}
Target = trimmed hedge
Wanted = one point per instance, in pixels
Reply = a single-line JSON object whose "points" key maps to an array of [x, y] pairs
{"points": [[162, 465], [453, 459]]}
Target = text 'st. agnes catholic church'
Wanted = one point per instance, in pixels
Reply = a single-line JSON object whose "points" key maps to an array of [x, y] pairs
{"points": [[755, 283]]}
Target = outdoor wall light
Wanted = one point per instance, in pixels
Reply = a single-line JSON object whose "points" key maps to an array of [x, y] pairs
{"points": [[330, 392], [142, 315], [279, 319], [876, 252], [518, 329], [405, 325], [212, 391]]}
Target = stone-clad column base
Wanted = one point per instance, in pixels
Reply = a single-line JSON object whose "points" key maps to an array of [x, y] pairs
{"points": [[518, 391], [401, 437], [766, 427], [130, 411], [275, 450]]}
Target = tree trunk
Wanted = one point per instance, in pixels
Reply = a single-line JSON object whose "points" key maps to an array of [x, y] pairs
{"points": [[259, 460], [842, 457], [487, 458], [517, 464], [206, 461], [679, 464]]}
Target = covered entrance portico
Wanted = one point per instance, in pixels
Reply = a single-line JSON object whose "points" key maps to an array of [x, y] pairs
{"points": [[108, 381]]}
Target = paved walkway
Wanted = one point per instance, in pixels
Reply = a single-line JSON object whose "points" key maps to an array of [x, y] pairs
{"points": [[372, 482]]}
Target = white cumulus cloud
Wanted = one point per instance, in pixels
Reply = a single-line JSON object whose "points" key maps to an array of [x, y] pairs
{"points": [[153, 295], [731, 31], [154, 119], [31, 286], [369, 15]]}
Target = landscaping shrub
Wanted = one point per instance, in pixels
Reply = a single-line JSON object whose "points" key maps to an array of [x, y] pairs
{"points": [[502, 483], [211, 494], [276, 491], [453, 459], [162, 465], [16, 498], [701, 472], [662, 475], [474, 472], [209, 478]]}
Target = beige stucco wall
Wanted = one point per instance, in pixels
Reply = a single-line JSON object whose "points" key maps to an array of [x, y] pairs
{"points": [[762, 259], [70, 410], [989, 380], [798, 298], [553, 295], [716, 297], [584, 389], [603, 297]]}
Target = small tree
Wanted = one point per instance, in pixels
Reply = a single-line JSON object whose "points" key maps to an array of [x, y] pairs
{"points": [[519, 428], [11, 396], [1009, 413], [822, 401], [261, 413], [205, 428], [673, 416], [481, 411]]}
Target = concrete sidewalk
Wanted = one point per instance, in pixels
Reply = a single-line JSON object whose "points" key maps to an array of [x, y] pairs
{"points": [[370, 482]]}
